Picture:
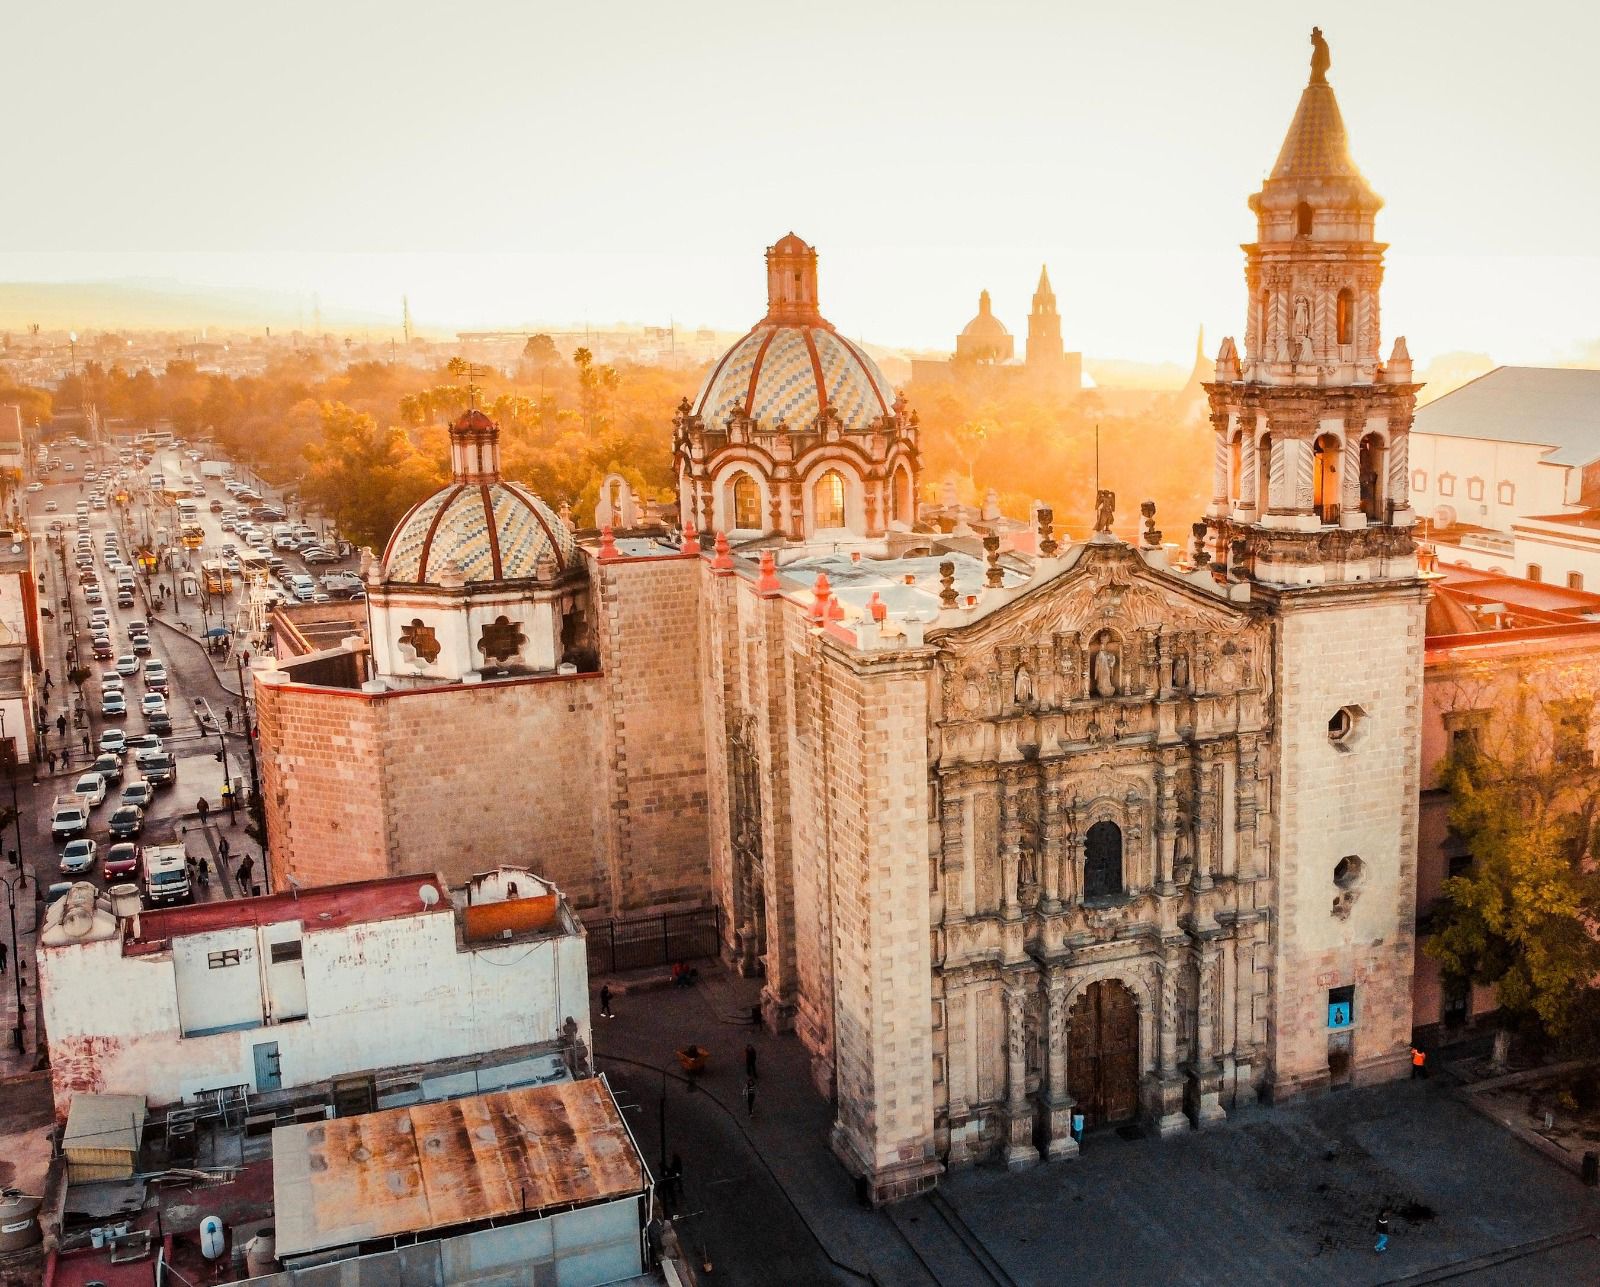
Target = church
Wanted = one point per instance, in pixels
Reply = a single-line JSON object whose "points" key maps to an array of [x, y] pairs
{"points": [[985, 353], [1011, 827]]}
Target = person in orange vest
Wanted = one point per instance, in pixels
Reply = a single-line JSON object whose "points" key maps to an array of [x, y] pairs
{"points": [[1419, 1063]]}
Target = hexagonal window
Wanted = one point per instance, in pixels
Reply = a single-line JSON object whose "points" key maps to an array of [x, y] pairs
{"points": [[1348, 872], [1345, 727]]}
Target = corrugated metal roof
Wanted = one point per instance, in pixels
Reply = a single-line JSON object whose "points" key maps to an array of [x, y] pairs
{"points": [[1555, 407], [433, 1166]]}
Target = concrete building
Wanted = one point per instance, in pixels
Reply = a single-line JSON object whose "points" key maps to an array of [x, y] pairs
{"points": [[296, 988], [1138, 837]]}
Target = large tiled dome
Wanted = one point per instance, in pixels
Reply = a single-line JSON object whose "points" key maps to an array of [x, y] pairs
{"points": [[480, 527], [790, 373]]}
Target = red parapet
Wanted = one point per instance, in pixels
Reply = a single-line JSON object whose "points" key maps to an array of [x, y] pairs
{"points": [[608, 545], [724, 560], [878, 608], [767, 583], [691, 539]]}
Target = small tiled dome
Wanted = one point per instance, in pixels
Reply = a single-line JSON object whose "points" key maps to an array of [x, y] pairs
{"points": [[790, 373], [479, 528]]}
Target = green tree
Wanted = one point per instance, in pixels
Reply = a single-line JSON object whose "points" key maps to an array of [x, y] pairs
{"points": [[540, 352], [1525, 799], [364, 477]]}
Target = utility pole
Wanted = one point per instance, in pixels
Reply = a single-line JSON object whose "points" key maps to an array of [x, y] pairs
{"points": [[9, 751], [257, 812], [16, 963]]}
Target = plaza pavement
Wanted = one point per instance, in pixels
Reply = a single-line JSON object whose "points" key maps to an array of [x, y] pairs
{"points": [[1275, 1195]]}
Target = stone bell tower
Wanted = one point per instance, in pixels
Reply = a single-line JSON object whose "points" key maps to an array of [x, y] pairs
{"points": [[1310, 508]]}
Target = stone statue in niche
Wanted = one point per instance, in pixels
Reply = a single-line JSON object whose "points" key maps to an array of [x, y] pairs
{"points": [[1105, 670], [1182, 852], [1022, 687], [1180, 670], [1027, 870]]}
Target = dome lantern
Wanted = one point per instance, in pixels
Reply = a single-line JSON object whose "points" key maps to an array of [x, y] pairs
{"points": [[475, 448]]}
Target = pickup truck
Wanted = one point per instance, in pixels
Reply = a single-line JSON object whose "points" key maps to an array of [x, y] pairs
{"points": [[69, 817], [157, 768]]}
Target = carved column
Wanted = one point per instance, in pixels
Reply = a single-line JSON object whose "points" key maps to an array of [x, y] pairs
{"points": [[1050, 839], [1244, 990], [1020, 1150], [1170, 1118], [1399, 488], [1249, 483], [1205, 813], [1207, 1080], [1010, 847], [958, 1029], [1150, 660], [1350, 463], [1244, 806], [1061, 1101], [952, 815], [1069, 668], [1166, 819], [1071, 851], [1219, 463]]}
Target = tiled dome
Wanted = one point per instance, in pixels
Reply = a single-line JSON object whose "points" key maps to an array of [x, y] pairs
{"points": [[490, 531], [790, 373]]}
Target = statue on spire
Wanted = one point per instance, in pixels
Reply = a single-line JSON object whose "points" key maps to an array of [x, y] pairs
{"points": [[1320, 60]]}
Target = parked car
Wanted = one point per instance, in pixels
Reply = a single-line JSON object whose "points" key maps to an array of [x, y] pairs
{"points": [[121, 862], [91, 787], [78, 857], [114, 739], [319, 554], [127, 821]]}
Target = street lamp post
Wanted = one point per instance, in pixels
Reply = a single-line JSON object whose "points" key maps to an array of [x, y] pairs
{"points": [[16, 962], [9, 752]]}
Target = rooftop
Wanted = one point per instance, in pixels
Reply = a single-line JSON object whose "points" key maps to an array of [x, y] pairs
{"points": [[1471, 608], [325, 907], [434, 1166], [1554, 407]]}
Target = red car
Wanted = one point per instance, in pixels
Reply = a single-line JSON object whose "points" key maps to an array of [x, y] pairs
{"points": [[122, 862]]}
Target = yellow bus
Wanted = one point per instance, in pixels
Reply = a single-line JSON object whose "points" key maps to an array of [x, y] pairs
{"points": [[219, 580], [194, 536]]}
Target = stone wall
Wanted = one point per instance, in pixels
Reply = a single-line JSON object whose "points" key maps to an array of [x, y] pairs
{"points": [[1357, 648]]}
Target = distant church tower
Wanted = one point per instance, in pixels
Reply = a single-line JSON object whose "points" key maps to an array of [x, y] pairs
{"points": [[1310, 505], [1046, 354]]}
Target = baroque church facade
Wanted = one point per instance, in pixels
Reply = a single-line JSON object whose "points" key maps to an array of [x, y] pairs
{"points": [[1011, 829]]}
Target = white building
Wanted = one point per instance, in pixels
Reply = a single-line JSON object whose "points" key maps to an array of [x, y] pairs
{"points": [[277, 992], [1505, 469]]}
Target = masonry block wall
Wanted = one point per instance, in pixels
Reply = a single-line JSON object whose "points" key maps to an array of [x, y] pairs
{"points": [[878, 825], [455, 779], [1357, 648], [648, 623]]}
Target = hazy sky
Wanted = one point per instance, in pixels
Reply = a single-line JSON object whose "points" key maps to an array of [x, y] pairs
{"points": [[507, 162]]}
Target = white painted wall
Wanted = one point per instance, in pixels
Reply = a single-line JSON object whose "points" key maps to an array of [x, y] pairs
{"points": [[379, 993], [1538, 487]]}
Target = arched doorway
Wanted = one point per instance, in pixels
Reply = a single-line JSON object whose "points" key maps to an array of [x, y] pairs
{"points": [[1373, 467], [1325, 477], [1103, 1053]]}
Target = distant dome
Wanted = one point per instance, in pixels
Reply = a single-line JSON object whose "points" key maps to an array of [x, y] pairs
{"points": [[790, 373], [479, 527], [985, 326], [985, 338]]}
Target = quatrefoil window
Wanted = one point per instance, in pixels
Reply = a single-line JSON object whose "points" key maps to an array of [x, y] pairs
{"points": [[420, 641], [502, 639]]}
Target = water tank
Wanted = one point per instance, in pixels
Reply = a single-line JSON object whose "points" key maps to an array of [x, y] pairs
{"points": [[211, 1239], [19, 1220], [261, 1252]]}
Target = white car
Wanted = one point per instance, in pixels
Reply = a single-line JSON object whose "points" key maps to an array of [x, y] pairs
{"points": [[92, 787], [35, 487], [78, 857], [152, 704]]}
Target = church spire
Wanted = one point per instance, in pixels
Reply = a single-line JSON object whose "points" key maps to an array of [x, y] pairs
{"points": [[1043, 291]]}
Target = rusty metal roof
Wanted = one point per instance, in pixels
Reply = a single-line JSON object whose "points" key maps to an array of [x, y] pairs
{"points": [[454, 1162]]}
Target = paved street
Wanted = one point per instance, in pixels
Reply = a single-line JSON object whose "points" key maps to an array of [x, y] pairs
{"points": [[1284, 1195], [176, 635]]}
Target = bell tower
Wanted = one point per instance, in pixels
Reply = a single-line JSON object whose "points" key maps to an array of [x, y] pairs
{"points": [[1045, 354], [1311, 517]]}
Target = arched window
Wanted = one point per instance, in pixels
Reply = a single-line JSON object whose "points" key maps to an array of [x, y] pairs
{"points": [[746, 503], [1535, 572], [1102, 868], [1302, 219], [1346, 315], [827, 501], [1325, 477], [1373, 469], [901, 509]]}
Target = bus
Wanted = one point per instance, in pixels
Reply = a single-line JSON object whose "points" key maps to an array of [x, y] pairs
{"points": [[194, 536], [153, 441], [219, 580]]}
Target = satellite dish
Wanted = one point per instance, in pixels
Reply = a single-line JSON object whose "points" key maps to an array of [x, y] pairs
{"points": [[1444, 516], [429, 895], [211, 1237]]}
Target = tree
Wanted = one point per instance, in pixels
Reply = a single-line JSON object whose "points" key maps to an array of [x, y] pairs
{"points": [[366, 478], [1525, 799], [540, 352]]}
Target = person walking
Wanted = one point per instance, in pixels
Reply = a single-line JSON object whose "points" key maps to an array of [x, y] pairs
{"points": [[61, 724], [245, 870], [3, 950], [203, 872], [86, 744], [1419, 1064], [750, 1062], [750, 1096], [50, 759], [223, 848], [1383, 1230], [605, 1002], [230, 719], [203, 808]]}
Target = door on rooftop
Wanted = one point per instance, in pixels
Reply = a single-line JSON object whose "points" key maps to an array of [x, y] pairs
{"points": [[269, 1075]]}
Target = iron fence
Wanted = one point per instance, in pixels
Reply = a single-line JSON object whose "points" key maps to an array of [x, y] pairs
{"points": [[640, 942]]}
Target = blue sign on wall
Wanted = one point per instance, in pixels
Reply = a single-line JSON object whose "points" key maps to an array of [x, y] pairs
{"points": [[1339, 1014]]}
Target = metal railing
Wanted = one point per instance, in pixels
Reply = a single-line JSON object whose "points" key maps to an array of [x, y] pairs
{"points": [[637, 943]]}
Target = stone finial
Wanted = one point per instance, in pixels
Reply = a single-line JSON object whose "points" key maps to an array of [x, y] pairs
{"points": [[608, 544], [565, 515], [835, 608], [724, 560], [1239, 558], [821, 592], [991, 505], [1398, 369], [947, 584], [1228, 368], [1199, 555], [691, 538], [1047, 532], [947, 494], [767, 584], [877, 609], [995, 577], [1152, 533]]}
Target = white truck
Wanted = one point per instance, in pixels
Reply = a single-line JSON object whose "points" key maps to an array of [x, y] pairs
{"points": [[166, 875], [216, 469], [69, 817]]}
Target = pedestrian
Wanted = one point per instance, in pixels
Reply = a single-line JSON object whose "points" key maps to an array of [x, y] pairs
{"points": [[605, 1002], [1419, 1064], [47, 677], [3, 951], [242, 873], [222, 848], [61, 725], [50, 759], [246, 656], [86, 744], [750, 1096], [203, 872], [750, 1062], [202, 806], [230, 719], [1383, 1230]]}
